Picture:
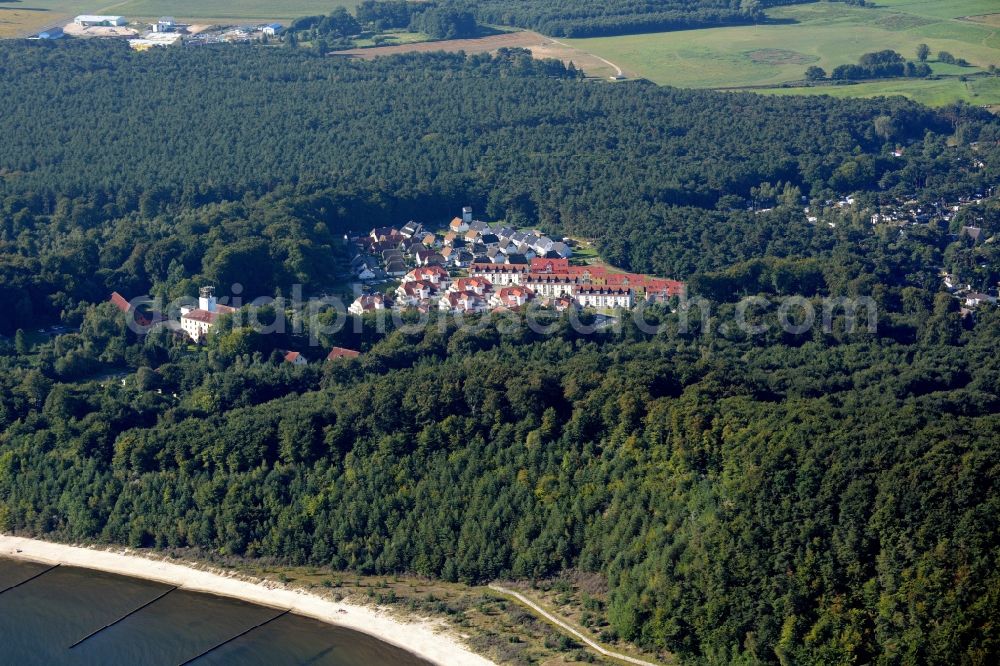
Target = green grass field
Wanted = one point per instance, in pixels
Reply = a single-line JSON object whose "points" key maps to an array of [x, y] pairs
{"points": [[21, 17], [823, 34], [236, 10], [979, 90]]}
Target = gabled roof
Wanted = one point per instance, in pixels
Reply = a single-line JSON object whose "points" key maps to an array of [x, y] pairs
{"points": [[368, 302], [341, 352], [120, 302], [203, 316], [292, 357], [555, 265]]}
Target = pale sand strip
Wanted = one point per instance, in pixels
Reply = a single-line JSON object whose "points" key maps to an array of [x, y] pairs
{"points": [[423, 638]]}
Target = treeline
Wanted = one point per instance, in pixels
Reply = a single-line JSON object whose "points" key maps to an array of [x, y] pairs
{"points": [[594, 18], [881, 65], [445, 21]]}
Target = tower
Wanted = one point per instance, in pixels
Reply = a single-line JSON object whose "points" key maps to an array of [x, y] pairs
{"points": [[467, 214], [206, 299]]}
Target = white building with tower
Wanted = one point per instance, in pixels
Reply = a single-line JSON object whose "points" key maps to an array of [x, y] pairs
{"points": [[197, 322]]}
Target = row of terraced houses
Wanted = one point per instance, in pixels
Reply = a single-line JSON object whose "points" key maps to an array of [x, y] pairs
{"points": [[549, 282]]}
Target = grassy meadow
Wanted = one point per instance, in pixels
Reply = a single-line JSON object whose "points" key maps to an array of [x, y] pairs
{"points": [[824, 34], [231, 10], [21, 17], [983, 91]]}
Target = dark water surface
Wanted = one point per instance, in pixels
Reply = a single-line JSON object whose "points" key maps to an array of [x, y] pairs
{"points": [[41, 618]]}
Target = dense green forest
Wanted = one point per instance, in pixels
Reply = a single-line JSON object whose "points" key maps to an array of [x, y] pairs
{"points": [[592, 18], [826, 499], [103, 191], [821, 497]]}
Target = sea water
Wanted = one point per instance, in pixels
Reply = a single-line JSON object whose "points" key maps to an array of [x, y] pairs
{"points": [[41, 618]]}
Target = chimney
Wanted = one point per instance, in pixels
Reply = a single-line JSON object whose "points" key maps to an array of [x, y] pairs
{"points": [[467, 214], [206, 299]]}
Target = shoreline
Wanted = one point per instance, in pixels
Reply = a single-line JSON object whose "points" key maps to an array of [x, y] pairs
{"points": [[423, 637]]}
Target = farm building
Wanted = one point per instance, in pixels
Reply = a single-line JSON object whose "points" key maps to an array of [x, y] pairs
{"points": [[165, 24], [272, 29], [53, 33], [89, 20]]}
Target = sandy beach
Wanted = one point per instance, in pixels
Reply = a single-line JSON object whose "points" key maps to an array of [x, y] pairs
{"points": [[423, 638]]}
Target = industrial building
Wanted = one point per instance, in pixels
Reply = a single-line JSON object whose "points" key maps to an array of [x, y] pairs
{"points": [[91, 20]]}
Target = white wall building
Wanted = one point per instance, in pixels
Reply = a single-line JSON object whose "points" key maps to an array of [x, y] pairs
{"points": [[88, 20], [604, 297], [197, 322]]}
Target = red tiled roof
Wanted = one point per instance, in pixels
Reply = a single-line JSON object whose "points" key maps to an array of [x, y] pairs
{"points": [[549, 265], [469, 283], [292, 356], [341, 352], [119, 302], [202, 315]]}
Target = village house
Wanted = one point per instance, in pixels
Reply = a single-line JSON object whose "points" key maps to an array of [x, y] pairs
{"points": [[386, 234], [435, 275], [411, 229], [197, 322], [563, 303], [413, 292], [973, 233], [295, 358], [342, 352], [975, 299], [368, 303], [395, 268], [462, 259], [392, 255], [428, 258], [462, 302], [476, 285], [511, 297], [458, 226], [122, 304]]}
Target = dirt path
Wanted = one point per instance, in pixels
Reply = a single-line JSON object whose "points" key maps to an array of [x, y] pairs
{"points": [[618, 70], [539, 45], [562, 624]]}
